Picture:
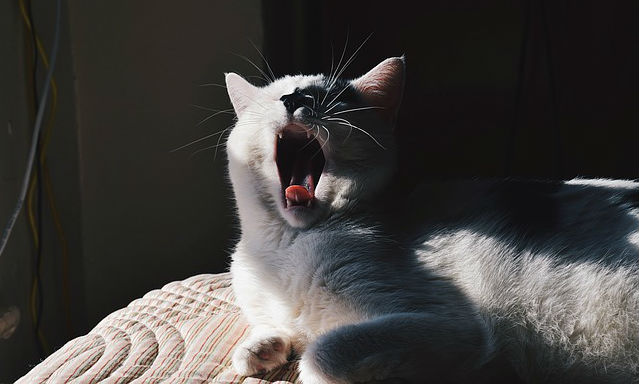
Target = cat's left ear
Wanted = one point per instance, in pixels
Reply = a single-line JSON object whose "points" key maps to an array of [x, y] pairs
{"points": [[241, 92], [383, 86]]}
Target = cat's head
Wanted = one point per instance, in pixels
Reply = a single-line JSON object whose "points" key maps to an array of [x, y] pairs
{"points": [[307, 147]]}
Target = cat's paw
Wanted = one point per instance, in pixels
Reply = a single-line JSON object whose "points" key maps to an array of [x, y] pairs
{"points": [[260, 354]]}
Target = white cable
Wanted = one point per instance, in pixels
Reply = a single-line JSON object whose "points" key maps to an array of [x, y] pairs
{"points": [[36, 133]]}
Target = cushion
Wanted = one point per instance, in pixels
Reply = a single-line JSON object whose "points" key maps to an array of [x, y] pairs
{"points": [[182, 333]]}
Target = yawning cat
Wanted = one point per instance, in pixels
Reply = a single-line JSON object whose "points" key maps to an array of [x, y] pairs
{"points": [[455, 281]]}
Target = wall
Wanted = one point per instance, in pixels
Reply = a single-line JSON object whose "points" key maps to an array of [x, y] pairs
{"points": [[17, 266], [136, 216], [15, 263], [151, 216]]}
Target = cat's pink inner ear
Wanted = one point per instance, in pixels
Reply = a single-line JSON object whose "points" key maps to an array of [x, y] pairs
{"points": [[241, 92], [383, 86]]}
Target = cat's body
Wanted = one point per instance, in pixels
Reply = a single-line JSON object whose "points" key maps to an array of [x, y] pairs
{"points": [[367, 283]]}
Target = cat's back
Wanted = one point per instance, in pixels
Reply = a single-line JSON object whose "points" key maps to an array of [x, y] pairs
{"points": [[553, 266], [594, 220]]}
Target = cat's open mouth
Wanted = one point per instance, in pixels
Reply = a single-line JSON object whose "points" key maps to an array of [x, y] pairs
{"points": [[300, 162]]}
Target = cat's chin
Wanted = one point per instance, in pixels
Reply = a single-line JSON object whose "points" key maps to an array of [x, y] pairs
{"points": [[301, 217]]}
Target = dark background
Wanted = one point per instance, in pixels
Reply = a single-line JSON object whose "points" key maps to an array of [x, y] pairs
{"points": [[540, 89]]}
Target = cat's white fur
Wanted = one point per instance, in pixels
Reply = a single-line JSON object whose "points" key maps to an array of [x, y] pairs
{"points": [[336, 289]]}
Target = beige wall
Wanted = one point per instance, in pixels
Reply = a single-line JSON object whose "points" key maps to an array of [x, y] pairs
{"points": [[136, 215]]}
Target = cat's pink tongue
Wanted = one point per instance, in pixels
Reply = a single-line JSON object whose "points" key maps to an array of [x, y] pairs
{"points": [[298, 195]]}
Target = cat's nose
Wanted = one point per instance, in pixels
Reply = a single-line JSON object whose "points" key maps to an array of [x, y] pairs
{"points": [[295, 100]]}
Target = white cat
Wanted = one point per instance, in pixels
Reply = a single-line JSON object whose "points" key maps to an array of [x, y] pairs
{"points": [[454, 281]]}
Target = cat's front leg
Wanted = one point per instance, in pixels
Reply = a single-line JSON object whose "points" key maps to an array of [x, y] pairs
{"points": [[263, 350], [413, 347]]}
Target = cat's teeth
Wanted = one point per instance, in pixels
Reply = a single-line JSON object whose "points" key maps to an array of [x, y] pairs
{"points": [[288, 203], [279, 134], [308, 204], [308, 134]]}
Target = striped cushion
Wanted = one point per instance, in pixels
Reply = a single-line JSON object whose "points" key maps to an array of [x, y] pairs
{"points": [[184, 332]]}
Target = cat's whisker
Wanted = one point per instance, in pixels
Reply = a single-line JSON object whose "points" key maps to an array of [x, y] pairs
{"points": [[334, 99], [328, 136], [332, 78], [227, 111], [258, 77], [337, 68], [350, 60], [319, 138], [316, 135], [346, 64], [312, 125], [210, 117], [212, 85], [256, 67], [341, 71], [345, 122], [217, 145], [350, 131], [315, 131], [313, 112], [265, 61], [357, 109], [330, 73], [201, 139], [205, 149], [328, 90]]}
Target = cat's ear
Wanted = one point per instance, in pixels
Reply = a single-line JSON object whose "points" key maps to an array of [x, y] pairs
{"points": [[241, 92], [383, 86]]}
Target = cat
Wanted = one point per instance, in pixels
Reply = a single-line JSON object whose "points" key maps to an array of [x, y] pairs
{"points": [[452, 281]]}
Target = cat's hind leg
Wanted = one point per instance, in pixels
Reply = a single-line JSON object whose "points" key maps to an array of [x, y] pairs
{"points": [[413, 347]]}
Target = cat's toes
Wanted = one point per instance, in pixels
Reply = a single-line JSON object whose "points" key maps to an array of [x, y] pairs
{"points": [[260, 355]]}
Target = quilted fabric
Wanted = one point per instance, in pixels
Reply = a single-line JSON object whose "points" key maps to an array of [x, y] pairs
{"points": [[182, 333]]}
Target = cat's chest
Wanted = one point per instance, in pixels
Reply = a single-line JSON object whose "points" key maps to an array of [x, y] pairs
{"points": [[290, 288], [313, 306]]}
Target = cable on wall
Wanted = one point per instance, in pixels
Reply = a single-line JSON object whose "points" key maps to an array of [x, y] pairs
{"points": [[42, 180], [34, 141], [36, 298], [36, 131]]}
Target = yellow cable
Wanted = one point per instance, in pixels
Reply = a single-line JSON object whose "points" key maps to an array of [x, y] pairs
{"points": [[49, 191], [32, 220], [49, 188]]}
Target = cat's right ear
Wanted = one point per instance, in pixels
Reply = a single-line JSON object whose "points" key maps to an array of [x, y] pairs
{"points": [[241, 92], [383, 86]]}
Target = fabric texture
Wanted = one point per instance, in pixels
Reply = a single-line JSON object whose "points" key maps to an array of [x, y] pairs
{"points": [[182, 333]]}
